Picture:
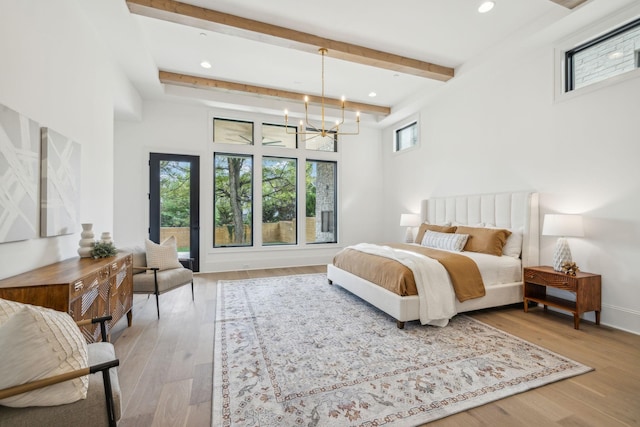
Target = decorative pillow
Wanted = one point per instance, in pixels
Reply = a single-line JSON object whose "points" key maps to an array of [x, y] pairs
{"points": [[8, 309], [39, 343], [447, 241], [439, 228], [513, 245], [163, 256], [484, 240]]}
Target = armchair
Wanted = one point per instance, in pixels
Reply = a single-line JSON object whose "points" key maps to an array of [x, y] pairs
{"points": [[103, 394], [162, 280]]}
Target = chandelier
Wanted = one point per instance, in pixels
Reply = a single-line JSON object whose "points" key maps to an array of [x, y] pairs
{"points": [[321, 129]]}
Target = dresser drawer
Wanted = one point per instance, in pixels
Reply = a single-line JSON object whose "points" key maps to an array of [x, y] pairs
{"points": [[82, 285], [558, 281]]}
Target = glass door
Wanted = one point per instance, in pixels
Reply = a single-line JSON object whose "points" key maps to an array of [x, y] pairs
{"points": [[174, 203]]}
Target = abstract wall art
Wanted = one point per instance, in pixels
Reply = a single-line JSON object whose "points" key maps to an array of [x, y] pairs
{"points": [[60, 187], [19, 176]]}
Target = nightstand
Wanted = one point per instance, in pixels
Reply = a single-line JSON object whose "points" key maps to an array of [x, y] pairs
{"points": [[585, 286]]}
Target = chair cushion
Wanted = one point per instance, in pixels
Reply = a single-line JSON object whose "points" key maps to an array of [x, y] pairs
{"points": [[38, 343], [167, 280]]}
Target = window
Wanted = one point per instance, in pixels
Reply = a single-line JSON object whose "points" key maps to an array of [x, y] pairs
{"points": [[279, 201], [321, 143], [406, 136], [321, 196], [233, 200], [232, 131], [277, 136], [604, 57], [295, 198]]}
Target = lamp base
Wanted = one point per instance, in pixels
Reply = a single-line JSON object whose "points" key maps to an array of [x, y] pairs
{"points": [[562, 254], [408, 238]]}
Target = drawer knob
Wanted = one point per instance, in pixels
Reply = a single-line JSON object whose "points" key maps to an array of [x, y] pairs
{"points": [[78, 285]]}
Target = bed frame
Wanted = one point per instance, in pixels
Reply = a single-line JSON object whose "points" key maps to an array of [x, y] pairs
{"points": [[504, 210]]}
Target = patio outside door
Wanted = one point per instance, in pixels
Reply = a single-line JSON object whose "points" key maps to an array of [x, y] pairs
{"points": [[174, 202]]}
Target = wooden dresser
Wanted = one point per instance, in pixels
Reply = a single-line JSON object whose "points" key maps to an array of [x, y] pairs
{"points": [[83, 287]]}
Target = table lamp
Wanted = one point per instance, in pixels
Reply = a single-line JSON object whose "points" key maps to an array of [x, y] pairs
{"points": [[564, 226], [409, 221]]}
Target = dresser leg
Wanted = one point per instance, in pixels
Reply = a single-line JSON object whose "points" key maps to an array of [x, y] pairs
{"points": [[576, 321], [129, 317], [597, 317]]}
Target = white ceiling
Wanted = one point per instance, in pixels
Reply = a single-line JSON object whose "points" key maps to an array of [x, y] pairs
{"points": [[444, 32]]}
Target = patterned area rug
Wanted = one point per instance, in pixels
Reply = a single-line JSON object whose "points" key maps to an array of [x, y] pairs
{"points": [[296, 351]]}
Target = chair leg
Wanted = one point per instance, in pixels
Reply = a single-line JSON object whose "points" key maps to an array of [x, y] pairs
{"points": [[111, 410], [158, 305], [192, 297], [157, 292]]}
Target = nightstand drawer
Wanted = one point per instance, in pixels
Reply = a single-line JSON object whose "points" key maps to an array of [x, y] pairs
{"points": [[556, 280]]}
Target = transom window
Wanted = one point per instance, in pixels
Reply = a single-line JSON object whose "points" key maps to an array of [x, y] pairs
{"points": [[406, 136], [609, 55]]}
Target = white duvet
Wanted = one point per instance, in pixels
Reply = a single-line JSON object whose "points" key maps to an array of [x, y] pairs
{"points": [[431, 278]]}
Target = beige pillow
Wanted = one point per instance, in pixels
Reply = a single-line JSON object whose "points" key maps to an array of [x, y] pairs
{"points": [[432, 227], [39, 343], [484, 240], [163, 256]]}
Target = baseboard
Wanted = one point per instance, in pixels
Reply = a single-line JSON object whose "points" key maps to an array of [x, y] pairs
{"points": [[620, 318]]}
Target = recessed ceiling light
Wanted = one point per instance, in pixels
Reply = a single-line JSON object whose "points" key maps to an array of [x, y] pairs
{"points": [[486, 6], [203, 34], [205, 64], [373, 94]]}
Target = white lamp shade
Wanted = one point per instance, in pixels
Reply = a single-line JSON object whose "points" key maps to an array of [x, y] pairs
{"points": [[563, 225], [409, 220]]}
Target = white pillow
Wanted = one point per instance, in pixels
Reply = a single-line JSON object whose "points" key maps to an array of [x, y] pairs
{"points": [[513, 246], [39, 343], [447, 241], [8, 309], [163, 256]]}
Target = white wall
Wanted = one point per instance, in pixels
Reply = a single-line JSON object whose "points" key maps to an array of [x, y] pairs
{"points": [[498, 128], [54, 71], [185, 129]]}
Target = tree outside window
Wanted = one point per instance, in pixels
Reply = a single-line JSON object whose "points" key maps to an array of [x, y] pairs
{"points": [[233, 200]]}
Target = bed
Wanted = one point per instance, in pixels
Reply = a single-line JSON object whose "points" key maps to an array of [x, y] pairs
{"points": [[517, 212]]}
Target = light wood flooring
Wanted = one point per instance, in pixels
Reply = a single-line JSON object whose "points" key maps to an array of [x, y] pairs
{"points": [[166, 365]]}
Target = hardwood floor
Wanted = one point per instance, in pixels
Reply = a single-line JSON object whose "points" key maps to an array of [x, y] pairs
{"points": [[166, 365]]}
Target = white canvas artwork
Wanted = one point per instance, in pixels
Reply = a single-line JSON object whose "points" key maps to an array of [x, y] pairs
{"points": [[19, 176], [60, 184]]}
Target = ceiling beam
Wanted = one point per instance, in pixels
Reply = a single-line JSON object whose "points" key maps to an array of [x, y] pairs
{"points": [[207, 19], [167, 77], [569, 4]]}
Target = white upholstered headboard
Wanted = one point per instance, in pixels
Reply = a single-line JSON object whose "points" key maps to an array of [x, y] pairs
{"points": [[504, 210]]}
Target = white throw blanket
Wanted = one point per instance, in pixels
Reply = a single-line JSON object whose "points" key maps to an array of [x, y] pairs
{"points": [[437, 299]]}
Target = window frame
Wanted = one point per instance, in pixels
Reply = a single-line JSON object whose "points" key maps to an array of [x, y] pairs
{"points": [[213, 134], [569, 68], [403, 125], [251, 242], [335, 199], [258, 152], [296, 201]]}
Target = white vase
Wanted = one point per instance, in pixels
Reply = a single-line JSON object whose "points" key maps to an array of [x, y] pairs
{"points": [[106, 237], [87, 242]]}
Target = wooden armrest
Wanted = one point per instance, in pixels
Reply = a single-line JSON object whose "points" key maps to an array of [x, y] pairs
{"points": [[33, 385], [94, 320], [102, 320]]}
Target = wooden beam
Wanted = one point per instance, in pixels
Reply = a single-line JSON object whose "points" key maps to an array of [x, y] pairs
{"points": [[167, 77], [569, 4], [212, 20]]}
